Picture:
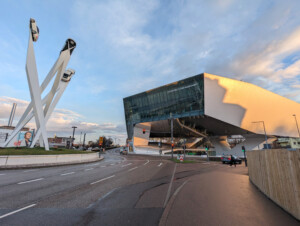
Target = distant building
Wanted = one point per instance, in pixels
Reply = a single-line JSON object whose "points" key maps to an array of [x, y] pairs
{"points": [[286, 142], [60, 141]]}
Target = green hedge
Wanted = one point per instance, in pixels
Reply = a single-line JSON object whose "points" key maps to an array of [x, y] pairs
{"points": [[38, 151]]}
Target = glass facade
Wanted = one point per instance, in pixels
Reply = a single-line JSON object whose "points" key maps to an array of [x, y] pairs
{"points": [[183, 98]]}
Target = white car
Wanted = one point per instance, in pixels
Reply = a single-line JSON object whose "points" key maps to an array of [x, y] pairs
{"points": [[68, 75], [34, 30]]}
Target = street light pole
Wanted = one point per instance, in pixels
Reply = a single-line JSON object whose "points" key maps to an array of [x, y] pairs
{"points": [[172, 144], [297, 124], [80, 138], [74, 127], [184, 147], [265, 132], [84, 139]]}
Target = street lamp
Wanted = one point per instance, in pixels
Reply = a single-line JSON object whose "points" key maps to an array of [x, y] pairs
{"points": [[84, 139], [297, 124], [80, 138], [265, 132], [74, 127], [172, 141]]}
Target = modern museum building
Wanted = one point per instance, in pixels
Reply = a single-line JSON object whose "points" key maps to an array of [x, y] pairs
{"points": [[213, 109]]}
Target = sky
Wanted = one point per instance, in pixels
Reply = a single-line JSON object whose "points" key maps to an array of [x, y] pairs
{"points": [[126, 47]]}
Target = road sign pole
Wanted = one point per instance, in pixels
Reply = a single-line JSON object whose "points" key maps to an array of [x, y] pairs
{"points": [[184, 147], [244, 150]]}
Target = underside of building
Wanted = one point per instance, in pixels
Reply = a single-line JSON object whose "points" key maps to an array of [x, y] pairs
{"points": [[210, 107]]}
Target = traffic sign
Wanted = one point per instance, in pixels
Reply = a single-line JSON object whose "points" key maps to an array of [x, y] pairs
{"points": [[181, 158], [100, 141]]}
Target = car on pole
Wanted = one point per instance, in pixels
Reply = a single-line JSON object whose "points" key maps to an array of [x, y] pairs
{"points": [[34, 30]]}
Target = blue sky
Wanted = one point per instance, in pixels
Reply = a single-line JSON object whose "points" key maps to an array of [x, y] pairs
{"points": [[125, 47]]}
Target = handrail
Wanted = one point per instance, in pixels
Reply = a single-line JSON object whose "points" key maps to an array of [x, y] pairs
{"points": [[190, 129]]}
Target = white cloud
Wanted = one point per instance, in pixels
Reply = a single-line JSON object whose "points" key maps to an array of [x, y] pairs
{"points": [[60, 122], [243, 40], [196, 30], [267, 61]]}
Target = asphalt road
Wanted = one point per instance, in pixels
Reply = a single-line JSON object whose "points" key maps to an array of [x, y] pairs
{"points": [[135, 190]]}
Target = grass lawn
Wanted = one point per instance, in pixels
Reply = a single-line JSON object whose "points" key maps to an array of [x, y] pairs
{"points": [[38, 151], [185, 161]]}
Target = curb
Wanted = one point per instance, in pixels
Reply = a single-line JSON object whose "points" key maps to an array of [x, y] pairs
{"points": [[42, 165]]}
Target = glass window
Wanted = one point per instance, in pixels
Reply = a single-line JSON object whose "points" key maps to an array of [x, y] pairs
{"points": [[184, 98]]}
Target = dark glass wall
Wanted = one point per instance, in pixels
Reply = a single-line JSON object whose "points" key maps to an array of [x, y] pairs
{"points": [[183, 98]]}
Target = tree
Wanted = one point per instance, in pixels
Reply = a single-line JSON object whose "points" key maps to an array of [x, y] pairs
{"points": [[107, 142]]}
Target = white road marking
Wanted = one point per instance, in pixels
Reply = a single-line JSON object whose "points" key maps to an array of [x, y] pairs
{"points": [[127, 164], [178, 189], [29, 181], [133, 168], [103, 166], [2, 174], [102, 179], [170, 186], [30, 170], [16, 211], [159, 164], [167, 209], [112, 164], [67, 174], [146, 162], [88, 169]]}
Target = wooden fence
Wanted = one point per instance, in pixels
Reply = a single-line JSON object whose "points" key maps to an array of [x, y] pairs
{"points": [[276, 172]]}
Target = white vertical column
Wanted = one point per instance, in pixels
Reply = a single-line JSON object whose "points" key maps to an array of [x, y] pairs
{"points": [[34, 87]]}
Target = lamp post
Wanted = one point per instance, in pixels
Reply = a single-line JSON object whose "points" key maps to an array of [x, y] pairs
{"points": [[80, 138], [265, 132], [74, 127], [297, 124], [84, 139], [184, 147], [172, 142]]}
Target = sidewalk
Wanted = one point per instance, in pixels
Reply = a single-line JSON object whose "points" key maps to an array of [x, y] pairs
{"points": [[224, 196]]}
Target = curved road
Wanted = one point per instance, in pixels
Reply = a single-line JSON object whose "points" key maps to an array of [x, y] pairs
{"points": [[135, 190]]}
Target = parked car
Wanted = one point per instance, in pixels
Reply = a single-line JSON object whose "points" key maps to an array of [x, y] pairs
{"points": [[96, 149], [123, 151], [227, 159]]}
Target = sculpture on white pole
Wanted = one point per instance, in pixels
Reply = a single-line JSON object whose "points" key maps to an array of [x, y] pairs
{"points": [[41, 109]]}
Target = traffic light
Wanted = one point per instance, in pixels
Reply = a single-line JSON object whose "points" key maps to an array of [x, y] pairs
{"points": [[206, 147], [243, 148], [144, 131]]}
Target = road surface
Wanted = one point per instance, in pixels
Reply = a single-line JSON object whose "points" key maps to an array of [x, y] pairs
{"points": [[135, 190]]}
